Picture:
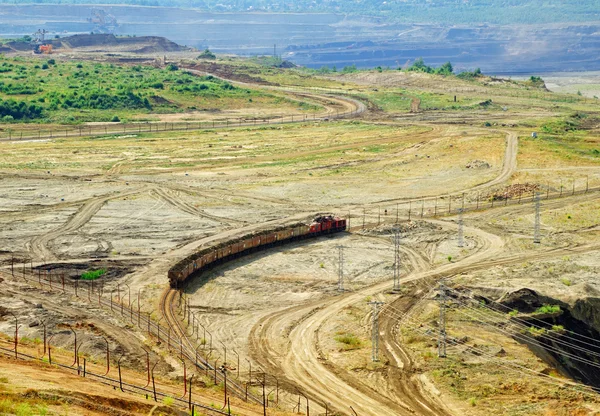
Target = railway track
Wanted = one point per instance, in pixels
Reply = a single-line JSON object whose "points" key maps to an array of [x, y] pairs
{"points": [[187, 349]]}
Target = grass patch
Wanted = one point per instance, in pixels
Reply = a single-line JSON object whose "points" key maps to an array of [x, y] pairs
{"points": [[566, 282], [93, 274], [349, 341], [73, 92]]}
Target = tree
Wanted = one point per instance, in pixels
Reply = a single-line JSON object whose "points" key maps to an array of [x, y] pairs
{"points": [[445, 69], [207, 54]]}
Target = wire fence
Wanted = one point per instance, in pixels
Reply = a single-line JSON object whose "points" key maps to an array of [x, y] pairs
{"points": [[449, 205], [165, 336], [181, 126], [126, 387]]}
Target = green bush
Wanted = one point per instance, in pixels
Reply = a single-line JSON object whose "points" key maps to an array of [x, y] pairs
{"points": [[19, 110], [207, 55], [93, 274], [547, 309], [350, 341]]}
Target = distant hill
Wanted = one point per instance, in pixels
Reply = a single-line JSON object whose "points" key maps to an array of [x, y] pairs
{"points": [[103, 42], [408, 11]]}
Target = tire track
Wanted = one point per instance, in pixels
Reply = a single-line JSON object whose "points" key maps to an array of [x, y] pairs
{"points": [[38, 246], [175, 200]]}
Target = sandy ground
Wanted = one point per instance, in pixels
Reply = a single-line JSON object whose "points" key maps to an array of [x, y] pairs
{"points": [[137, 204]]}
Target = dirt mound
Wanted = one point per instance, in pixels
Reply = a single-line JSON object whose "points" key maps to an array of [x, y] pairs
{"points": [[478, 164], [227, 72], [514, 191], [142, 44]]}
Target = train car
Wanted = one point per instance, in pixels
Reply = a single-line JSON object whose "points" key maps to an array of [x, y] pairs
{"points": [[246, 244]]}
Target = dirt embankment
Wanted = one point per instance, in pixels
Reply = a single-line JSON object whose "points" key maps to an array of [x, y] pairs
{"points": [[228, 72], [105, 43], [567, 338]]}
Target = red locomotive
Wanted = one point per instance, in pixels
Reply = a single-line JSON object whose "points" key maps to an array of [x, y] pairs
{"points": [[224, 251]]}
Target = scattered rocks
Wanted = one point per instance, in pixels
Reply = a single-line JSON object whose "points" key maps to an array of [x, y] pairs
{"points": [[514, 191], [478, 164]]}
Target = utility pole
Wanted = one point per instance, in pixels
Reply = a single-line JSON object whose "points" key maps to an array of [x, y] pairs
{"points": [[375, 330], [537, 238], [340, 268], [396, 232], [442, 323], [461, 237]]}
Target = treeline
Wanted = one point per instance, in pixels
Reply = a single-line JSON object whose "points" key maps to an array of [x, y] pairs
{"points": [[409, 11], [97, 100], [417, 66], [19, 110]]}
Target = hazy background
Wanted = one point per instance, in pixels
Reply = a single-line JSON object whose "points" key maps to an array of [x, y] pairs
{"points": [[509, 37]]}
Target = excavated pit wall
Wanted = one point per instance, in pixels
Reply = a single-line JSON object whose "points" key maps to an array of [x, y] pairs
{"points": [[565, 350]]}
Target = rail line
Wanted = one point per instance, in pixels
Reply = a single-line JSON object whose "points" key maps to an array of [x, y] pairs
{"points": [[168, 310]]}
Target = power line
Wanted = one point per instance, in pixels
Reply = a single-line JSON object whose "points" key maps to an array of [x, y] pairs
{"points": [[442, 323], [537, 237], [396, 231], [375, 331], [461, 237], [340, 268]]}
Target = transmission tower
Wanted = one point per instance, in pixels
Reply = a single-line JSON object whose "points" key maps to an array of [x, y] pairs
{"points": [[537, 237], [442, 323], [375, 331], [396, 232], [461, 236], [340, 268]]}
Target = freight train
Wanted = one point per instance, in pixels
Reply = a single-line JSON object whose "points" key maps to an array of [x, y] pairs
{"points": [[240, 246]]}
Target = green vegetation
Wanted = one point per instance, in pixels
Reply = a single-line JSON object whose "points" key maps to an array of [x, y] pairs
{"points": [[547, 309], [536, 332], [74, 92], [514, 312], [565, 281], [419, 66], [93, 274], [21, 408], [207, 54], [349, 341]]}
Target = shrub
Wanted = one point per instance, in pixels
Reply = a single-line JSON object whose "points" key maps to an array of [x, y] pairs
{"points": [[207, 55], [547, 309], [566, 282], [51, 62], [536, 332], [18, 110], [45, 66], [93, 274], [115, 119], [350, 341], [172, 67]]}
